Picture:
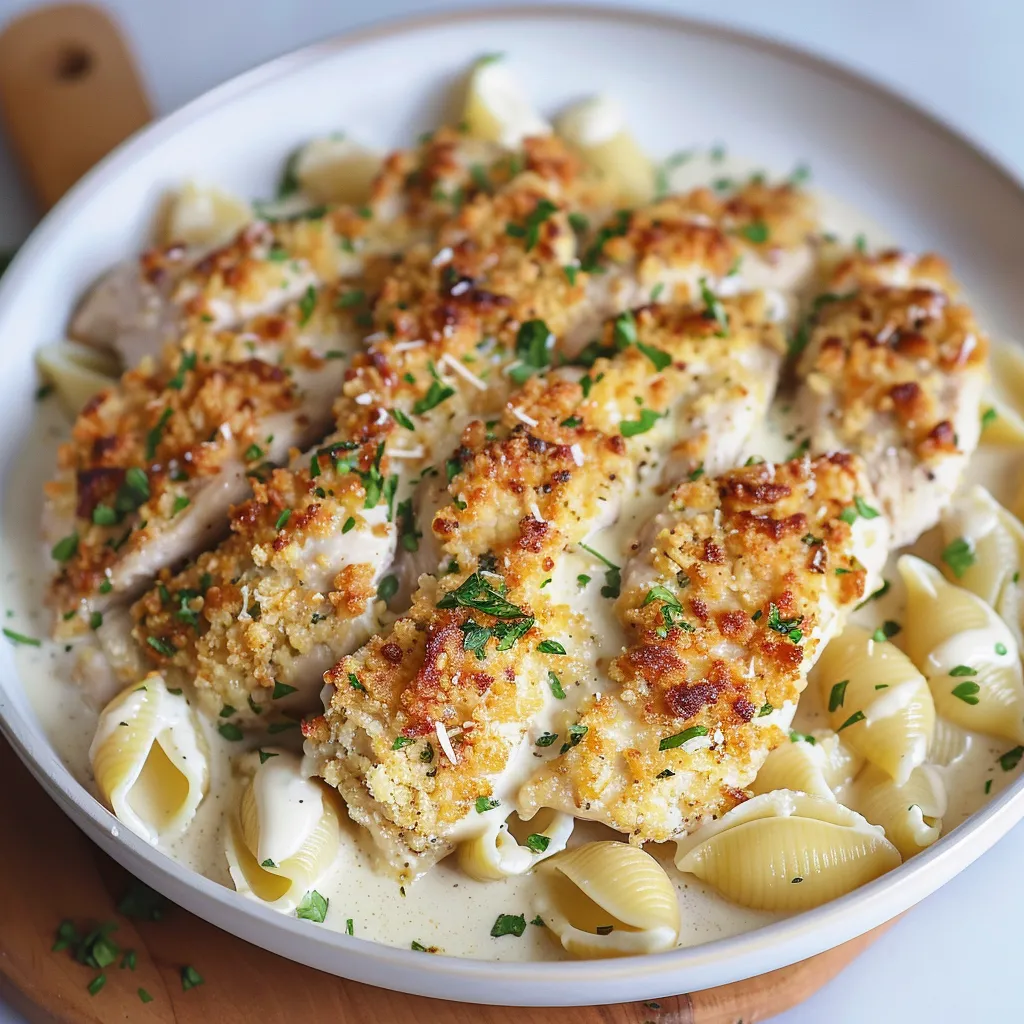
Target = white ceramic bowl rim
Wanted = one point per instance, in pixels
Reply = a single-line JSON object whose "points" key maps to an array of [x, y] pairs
{"points": [[565, 982]]}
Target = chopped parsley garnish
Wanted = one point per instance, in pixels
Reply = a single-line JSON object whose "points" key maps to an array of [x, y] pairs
{"points": [[180, 504], [418, 947], [266, 755], [1000, 649], [161, 646], [546, 739], [802, 737], [353, 681], [312, 907], [556, 686], [766, 709], [859, 508], [886, 631], [612, 577], [410, 536], [967, 692], [624, 332], [537, 843], [64, 550], [437, 393], [756, 232], [533, 347], [401, 419], [570, 273], [576, 733], [646, 420], [427, 753], [671, 610], [485, 803], [963, 670], [154, 435], [187, 363], [282, 690], [578, 222], [857, 716], [20, 638], [230, 731], [402, 741], [349, 524], [666, 773], [616, 229], [959, 556], [476, 593], [837, 694], [253, 452], [283, 518], [388, 588], [785, 627], [550, 647], [529, 231], [988, 417], [509, 924], [661, 174], [268, 863], [95, 620], [190, 977], [306, 305], [350, 299], [679, 738], [582, 580], [142, 903], [696, 474], [713, 309], [1011, 759]]}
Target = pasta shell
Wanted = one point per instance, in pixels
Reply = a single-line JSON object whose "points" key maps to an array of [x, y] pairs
{"points": [[609, 899], [497, 854], [910, 814], [77, 371], [497, 107], [336, 170], [597, 129], [149, 759], [949, 744], [967, 652], [1005, 396], [787, 852], [204, 216], [996, 539], [878, 701], [817, 768], [286, 834]]}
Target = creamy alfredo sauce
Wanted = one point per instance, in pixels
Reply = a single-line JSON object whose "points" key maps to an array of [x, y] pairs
{"points": [[446, 910]]}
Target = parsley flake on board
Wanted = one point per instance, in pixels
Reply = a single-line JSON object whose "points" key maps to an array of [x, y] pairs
{"points": [[190, 978]]}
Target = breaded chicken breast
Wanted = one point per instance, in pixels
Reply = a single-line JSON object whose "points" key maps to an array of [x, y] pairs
{"points": [[747, 577], [893, 369]]}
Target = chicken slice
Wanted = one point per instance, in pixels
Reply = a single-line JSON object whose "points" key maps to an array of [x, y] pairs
{"points": [[725, 613], [310, 549], [430, 717], [154, 463], [143, 304], [894, 370], [694, 244]]}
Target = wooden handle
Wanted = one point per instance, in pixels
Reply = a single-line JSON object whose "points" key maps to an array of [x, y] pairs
{"points": [[69, 93]]}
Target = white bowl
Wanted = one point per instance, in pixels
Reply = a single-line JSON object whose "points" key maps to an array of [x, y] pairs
{"points": [[683, 84]]}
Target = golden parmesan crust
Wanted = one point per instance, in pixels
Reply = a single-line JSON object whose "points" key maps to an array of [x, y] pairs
{"points": [[142, 452], [724, 615], [519, 503], [405, 396], [885, 356]]}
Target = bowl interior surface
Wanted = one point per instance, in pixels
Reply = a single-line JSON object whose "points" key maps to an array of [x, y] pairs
{"points": [[683, 85]]}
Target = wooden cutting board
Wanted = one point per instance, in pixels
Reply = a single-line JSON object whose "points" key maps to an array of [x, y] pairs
{"points": [[69, 93]]}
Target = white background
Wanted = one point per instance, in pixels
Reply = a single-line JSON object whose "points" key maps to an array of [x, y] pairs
{"points": [[957, 956]]}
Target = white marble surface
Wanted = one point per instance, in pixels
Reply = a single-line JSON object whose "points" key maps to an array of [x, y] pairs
{"points": [[955, 957]]}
